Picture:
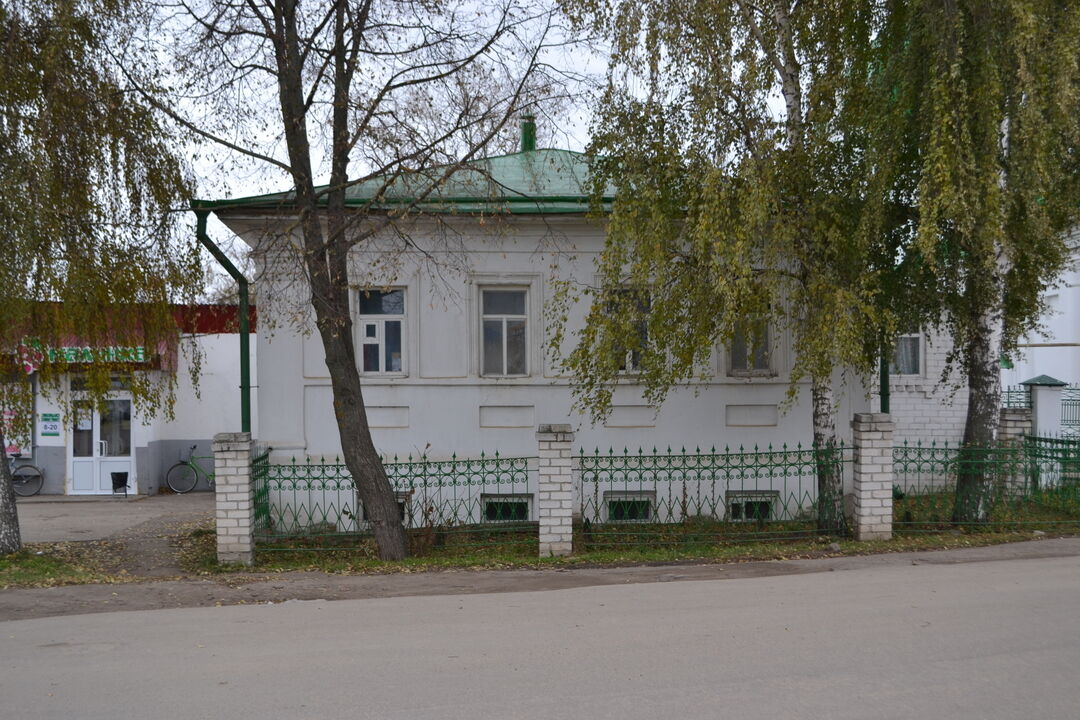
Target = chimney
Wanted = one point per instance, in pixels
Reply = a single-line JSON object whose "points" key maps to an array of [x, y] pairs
{"points": [[528, 133]]}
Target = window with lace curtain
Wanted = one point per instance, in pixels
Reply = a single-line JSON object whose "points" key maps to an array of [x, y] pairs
{"points": [[907, 355]]}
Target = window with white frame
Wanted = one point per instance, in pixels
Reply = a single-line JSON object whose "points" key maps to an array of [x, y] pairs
{"points": [[504, 345], [907, 355], [749, 353], [381, 327]]}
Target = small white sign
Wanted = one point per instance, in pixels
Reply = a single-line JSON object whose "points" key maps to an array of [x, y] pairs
{"points": [[85, 424], [49, 425]]}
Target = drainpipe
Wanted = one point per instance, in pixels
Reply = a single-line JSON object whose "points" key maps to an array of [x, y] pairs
{"points": [[883, 376], [245, 328]]}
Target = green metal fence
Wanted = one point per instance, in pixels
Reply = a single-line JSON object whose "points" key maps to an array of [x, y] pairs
{"points": [[691, 497], [260, 470], [1070, 411], [1016, 396], [444, 504], [1032, 484]]}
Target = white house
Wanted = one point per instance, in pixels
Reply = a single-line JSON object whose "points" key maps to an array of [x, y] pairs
{"points": [[451, 332], [78, 452]]}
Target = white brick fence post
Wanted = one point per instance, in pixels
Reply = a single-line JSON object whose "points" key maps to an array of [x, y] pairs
{"points": [[1015, 424], [873, 475], [555, 490], [235, 498]]}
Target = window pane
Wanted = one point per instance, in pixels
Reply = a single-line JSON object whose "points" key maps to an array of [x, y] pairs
{"points": [[738, 351], [371, 358], [629, 509], [82, 433], [392, 339], [905, 359], [376, 302], [370, 330], [515, 347], [492, 361], [504, 302], [502, 510], [761, 350], [116, 428], [750, 348]]}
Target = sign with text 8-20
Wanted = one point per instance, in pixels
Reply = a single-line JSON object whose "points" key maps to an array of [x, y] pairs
{"points": [[49, 425]]}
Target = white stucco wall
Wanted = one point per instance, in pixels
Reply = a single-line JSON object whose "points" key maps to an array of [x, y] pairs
{"points": [[1056, 350], [214, 407], [441, 405]]}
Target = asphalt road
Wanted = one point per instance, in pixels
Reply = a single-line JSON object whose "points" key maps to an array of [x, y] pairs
{"points": [[980, 640]]}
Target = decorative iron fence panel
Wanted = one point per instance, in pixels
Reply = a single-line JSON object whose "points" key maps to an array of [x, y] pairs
{"points": [[1070, 411], [1029, 484], [309, 504], [260, 470], [680, 496], [1016, 396]]}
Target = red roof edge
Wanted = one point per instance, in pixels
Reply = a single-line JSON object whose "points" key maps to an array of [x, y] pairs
{"points": [[211, 319]]}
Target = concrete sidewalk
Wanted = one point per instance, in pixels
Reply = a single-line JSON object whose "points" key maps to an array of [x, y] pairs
{"points": [[63, 518]]}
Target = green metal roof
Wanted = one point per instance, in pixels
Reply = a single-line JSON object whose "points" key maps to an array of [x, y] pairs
{"points": [[530, 182], [1044, 381]]}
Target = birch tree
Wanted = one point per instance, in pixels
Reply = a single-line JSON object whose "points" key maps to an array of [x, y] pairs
{"points": [[975, 131], [729, 134], [89, 182], [400, 93]]}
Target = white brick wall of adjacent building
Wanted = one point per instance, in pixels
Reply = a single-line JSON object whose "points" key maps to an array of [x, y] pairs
{"points": [[928, 405]]}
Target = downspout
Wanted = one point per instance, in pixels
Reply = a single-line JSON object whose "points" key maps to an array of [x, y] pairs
{"points": [[883, 376], [245, 327]]}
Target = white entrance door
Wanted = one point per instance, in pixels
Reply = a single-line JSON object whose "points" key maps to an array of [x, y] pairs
{"points": [[101, 446]]}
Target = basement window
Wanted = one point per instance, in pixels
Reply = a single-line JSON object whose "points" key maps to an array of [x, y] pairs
{"points": [[752, 505], [403, 508], [629, 506], [505, 508]]}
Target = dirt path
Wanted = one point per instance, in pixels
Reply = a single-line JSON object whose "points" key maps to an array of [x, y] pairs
{"points": [[239, 589], [148, 550]]}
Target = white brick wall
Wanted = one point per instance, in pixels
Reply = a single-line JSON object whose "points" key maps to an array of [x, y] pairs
{"points": [[929, 407], [872, 434], [234, 498], [555, 490]]}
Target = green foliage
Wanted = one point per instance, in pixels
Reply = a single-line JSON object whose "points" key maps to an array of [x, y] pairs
{"points": [[973, 125], [728, 210], [922, 170], [91, 248]]}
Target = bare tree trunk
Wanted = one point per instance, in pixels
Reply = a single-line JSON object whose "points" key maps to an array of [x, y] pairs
{"points": [[359, 451], [325, 260], [974, 488], [830, 491], [10, 537]]}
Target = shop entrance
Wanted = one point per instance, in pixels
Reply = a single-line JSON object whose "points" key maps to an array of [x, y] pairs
{"points": [[101, 446]]}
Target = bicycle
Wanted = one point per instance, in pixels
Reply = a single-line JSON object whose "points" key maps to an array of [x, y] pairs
{"points": [[26, 479], [184, 475]]}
